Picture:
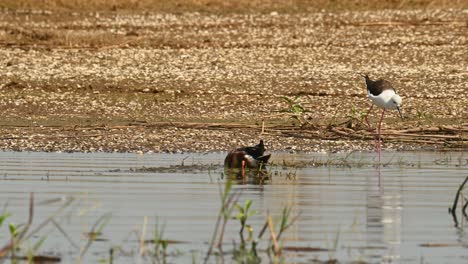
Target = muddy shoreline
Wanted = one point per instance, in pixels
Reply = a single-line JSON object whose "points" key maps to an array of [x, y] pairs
{"points": [[154, 82]]}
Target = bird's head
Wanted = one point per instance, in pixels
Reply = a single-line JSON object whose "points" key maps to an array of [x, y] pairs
{"points": [[396, 103]]}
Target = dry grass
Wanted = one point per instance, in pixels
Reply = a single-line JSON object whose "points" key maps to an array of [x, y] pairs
{"points": [[228, 6]]}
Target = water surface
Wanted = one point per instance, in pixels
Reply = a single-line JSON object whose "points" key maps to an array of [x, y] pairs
{"points": [[340, 204]]}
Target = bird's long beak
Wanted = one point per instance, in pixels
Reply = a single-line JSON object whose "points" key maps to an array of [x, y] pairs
{"points": [[399, 111]]}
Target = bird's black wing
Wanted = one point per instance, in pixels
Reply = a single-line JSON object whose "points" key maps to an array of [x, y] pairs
{"points": [[264, 159], [254, 151], [377, 87]]}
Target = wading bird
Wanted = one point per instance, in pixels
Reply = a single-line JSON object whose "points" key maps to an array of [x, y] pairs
{"points": [[383, 95], [247, 157]]}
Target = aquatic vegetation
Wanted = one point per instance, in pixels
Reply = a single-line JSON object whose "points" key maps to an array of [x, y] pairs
{"points": [[443, 161], [247, 236], [338, 162], [228, 200], [176, 168], [355, 160], [452, 210], [244, 254], [286, 221], [95, 232], [242, 215], [240, 252], [21, 233], [160, 244]]}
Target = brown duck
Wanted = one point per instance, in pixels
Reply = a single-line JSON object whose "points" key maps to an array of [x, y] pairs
{"points": [[247, 157]]}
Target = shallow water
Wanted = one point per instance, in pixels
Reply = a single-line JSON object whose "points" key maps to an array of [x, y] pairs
{"points": [[341, 206]]}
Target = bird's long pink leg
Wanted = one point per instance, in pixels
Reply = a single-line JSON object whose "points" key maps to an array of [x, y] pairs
{"points": [[379, 144], [243, 168], [368, 124]]}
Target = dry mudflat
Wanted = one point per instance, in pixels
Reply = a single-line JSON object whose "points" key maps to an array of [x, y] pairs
{"points": [[143, 81]]}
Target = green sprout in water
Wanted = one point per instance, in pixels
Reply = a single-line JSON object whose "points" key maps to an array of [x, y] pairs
{"points": [[20, 234], [32, 252], [242, 254], [160, 244], [228, 201], [242, 215]]}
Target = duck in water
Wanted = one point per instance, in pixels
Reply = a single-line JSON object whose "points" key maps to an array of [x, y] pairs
{"points": [[247, 157]]}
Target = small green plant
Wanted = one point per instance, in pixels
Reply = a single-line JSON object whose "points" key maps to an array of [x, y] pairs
{"points": [[96, 231], [245, 255], [228, 201], [160, 244], [18, 233], [294, 109], [262, 175], [241, 253], [424, 117], [3, 217], [293, 105], [421, 114], [32, 251], [21, 233], [242, 215], [13, 230], [356, 113], [286, 221], [14, 238], [355, 118]]}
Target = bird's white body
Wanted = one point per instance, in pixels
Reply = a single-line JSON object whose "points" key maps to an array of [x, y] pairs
{"points": [[251, 162], [387, 99]]}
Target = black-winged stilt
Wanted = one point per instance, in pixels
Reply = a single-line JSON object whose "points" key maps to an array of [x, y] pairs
{"points": [[383, 95]]}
